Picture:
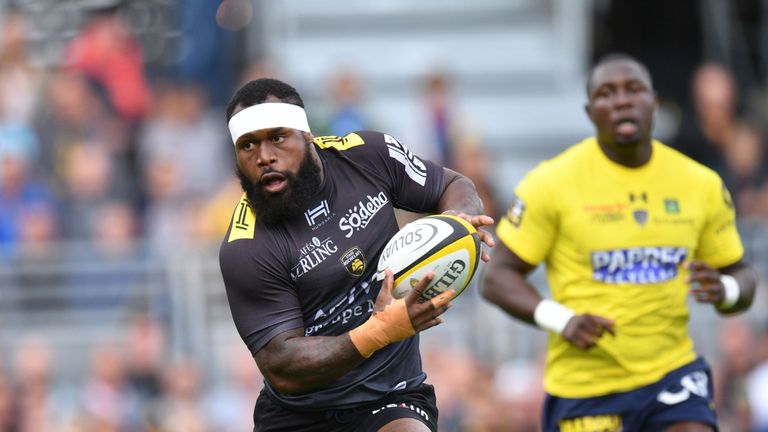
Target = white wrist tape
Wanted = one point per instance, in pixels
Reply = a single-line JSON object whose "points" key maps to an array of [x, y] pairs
{"points": [[267, 116], [551, 315], [731, 291]]}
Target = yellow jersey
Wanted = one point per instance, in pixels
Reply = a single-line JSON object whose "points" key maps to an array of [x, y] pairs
{"points": [[614, 240]]}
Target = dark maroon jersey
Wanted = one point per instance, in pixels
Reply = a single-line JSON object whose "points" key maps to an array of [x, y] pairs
{"points": [[317, 271]]}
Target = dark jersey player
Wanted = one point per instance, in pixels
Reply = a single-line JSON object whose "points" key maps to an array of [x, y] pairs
{"points": [[298, 261]]}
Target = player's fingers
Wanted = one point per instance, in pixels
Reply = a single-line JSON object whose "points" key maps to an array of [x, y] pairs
{"points": [[443, 299], [694, 264], [385, 294], [481, 220], [584, 341], [486, 238], [485, 257], [707, 292], [415, 293], [429, 324]]}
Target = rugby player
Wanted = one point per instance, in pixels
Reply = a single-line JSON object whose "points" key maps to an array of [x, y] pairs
{"points": [[299, 263], [627, 227]]}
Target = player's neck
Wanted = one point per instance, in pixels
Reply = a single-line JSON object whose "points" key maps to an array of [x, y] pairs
{"points": [[632, 156]]}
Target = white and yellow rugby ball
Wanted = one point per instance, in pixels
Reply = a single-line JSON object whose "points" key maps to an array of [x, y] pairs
{"points": [[444, 244]]}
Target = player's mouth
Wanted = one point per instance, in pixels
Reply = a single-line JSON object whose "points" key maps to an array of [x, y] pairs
{"points": [[626, 127], [273, 182]]}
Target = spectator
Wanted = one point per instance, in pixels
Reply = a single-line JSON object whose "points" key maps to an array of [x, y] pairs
{"points": [[108, 53], [348, 114]]}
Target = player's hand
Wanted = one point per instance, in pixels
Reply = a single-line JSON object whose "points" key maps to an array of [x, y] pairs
{"points": [[477, 221], [705, 283], [583, 331], [423, 315]]}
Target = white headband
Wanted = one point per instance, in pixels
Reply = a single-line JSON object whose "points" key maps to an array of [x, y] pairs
{"points": [[266, 116]]}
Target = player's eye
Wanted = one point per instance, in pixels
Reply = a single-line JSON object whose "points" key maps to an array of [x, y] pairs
{"points": [[248, 145], [602, 93], [277, 139]]}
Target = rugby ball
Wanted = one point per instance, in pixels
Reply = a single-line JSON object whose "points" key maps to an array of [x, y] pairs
{"points": [[444, 244]]}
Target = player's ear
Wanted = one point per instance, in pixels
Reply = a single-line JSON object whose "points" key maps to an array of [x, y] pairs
{"points": [[588, 111], [308, 136]]}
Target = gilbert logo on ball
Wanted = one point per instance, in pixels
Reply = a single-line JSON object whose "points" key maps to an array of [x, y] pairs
{"points": [[447, 245]]}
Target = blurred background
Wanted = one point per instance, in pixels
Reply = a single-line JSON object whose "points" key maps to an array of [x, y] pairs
{"points": [[116, 181]]}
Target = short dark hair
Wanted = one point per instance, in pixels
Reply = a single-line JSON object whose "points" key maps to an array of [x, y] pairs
{"points": [[615, 56], [256, 91]]}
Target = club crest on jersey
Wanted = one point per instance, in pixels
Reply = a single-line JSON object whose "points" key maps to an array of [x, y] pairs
{"points": [[641, 216], [640, 265], [353, 261]]}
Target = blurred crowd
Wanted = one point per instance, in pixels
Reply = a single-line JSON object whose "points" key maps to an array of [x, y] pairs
{"points": [[99, 152]]}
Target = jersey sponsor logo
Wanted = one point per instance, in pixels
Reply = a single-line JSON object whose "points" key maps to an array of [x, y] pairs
{"points": [[312, 254], [409, 406], [640, 265], [671, 206], [598, 423], [606, 213], [353, 261], [351, 308], [516, 211], [358, 217], [243, 221], [414, 167], [314, 214], [695, 383], [339, 143]]}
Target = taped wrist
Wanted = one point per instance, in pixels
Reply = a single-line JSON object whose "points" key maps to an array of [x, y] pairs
{"points": [[383, 327], [551, 315], [731, 292]]}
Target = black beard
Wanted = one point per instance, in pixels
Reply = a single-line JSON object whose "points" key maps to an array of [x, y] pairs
{"points": [[275, 208]]}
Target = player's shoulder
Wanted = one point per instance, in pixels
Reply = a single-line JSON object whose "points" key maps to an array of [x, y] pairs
{"points": [[356, 142], [242, 231], [566, 164], [683, 166]]}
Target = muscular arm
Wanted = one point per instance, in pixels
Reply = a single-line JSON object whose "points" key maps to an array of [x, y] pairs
{"points": [[460, 199], [296, 364], [459, 194], [504, 284]]}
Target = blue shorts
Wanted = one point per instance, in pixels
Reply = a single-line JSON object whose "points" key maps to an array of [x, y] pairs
{"points": [[685, 394]]}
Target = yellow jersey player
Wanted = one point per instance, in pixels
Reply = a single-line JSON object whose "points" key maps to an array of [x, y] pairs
{"points": [[627, 227]]}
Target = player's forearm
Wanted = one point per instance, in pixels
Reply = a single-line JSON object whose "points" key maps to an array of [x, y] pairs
{"points": [[304, 364], [509, 290], [460, 195]]}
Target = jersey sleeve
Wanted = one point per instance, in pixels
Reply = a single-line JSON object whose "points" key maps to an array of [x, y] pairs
{"points": [[719, 242], [529, 226], [261, 297], [416, 184]]}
